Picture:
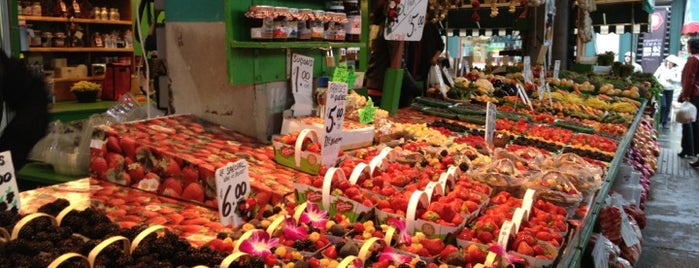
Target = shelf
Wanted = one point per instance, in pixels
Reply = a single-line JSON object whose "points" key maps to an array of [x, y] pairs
{"points": [[78, 20], [79, 49], [292, 44], [88, 78]]}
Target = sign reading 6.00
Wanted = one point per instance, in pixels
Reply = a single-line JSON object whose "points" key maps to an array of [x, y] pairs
{"points": [[232, 187], [406, 20]]}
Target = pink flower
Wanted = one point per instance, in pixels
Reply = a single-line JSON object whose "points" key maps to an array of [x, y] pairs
{"points": [[403, 235], [293, 232], [509, 258], [259, 244], [389, 255], [314, 216]]}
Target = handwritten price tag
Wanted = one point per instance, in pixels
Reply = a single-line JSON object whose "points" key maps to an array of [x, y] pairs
{"points": [[556, 68], [302, 84], [405, 20], [490, 116], [334, 118], [233, 188], [9, 193]]}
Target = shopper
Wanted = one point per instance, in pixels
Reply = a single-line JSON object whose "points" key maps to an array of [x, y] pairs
{"points": [[690, 92], [668, 76], [421, 56], [24, 116], [630, 59]]}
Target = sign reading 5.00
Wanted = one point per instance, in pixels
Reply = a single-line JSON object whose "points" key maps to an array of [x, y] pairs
{"points": [[406, 19], [233, 188], [334, 118]]}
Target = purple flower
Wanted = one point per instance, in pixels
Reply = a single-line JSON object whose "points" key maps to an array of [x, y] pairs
{"points": [[259, 244], [393, 257], [314, 216], [403, 235], [293, 232], [510, 259]]}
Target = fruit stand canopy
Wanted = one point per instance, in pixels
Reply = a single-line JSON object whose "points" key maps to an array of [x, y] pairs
{"points": [[691, 18], [624, 15]]}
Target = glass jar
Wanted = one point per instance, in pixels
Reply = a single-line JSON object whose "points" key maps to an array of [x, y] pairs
{"points": [[340, 22], [35, 41], [104, 14], [353, 28], [318, 25], [281, 23], [46, 39], [261, 22], [304, 20], [293, 24], [59, 39], [97, 40], [113, 14], [36, 9], [330, 28]]}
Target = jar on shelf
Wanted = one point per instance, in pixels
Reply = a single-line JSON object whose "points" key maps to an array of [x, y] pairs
{"points": [[113, 14], [35, 41], [36, 9], [330, 27], [59, 39], [97, 40], [104, 14], [318, 25], [340, 22], [353, 28], [26, 8], [46, 39], [293, 24], [305, 18], [281, 23]]}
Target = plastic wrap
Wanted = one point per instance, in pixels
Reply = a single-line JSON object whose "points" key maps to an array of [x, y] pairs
{"points": [[555, 187]]}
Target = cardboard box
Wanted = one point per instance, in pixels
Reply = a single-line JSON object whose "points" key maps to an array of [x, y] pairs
{"points": [[59, 63], [352, 138], [67, 72], [178, 156]]}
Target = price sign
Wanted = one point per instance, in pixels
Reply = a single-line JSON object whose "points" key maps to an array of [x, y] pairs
{"points": [[527, 69], [9, 193], [406, 20], [233, 188], [302, 84], [556, 68], [334, 118], [542, 82], [490, 115], [628, 234], [523, 95]]}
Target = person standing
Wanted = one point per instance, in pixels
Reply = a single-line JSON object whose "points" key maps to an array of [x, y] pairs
{"points": [[667, 75], [690, 92], [630, 59]]}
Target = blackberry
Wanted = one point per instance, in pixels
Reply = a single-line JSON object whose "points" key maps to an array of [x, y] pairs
{"points": [[256, 262], [298, 244], [463, 166], [221, 235], [404, 265], [421, 264], [444, 153], [54, 207], [424, 163], [267, 213], [276, 210]]}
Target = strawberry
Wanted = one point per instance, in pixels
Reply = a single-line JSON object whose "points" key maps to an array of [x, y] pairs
{"points": [[151, 175], [118, 177], [206, 172], [270, 260], [170, 167], [524, 248], [434, 246], [113, 144], [136, 172], [193, 191], [330, 252], [189, 175], [485, 237], [447, 213], [115, 161], [98, 167], [173, 184], [430, 216], [449, 249], [474, 254], [128, 146]]}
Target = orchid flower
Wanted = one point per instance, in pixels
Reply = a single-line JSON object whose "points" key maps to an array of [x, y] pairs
{"points": [[259, 244], [391, 256], [511, 259], [403, 235], [314, 216], [291, 231]]}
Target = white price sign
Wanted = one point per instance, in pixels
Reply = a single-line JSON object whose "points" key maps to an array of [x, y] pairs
{"points": [[334, 118], [556, 68], [490, 116], [302, 84], [9, 193], [406, 20], [233, 188]]}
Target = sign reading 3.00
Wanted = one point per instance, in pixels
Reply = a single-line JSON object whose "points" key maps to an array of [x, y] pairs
{"points": [[406, 19]]}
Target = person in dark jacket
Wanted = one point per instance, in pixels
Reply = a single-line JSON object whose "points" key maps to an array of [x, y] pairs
{"points": [[24, 111]]}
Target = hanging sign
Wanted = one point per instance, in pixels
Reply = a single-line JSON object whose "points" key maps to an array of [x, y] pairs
{"points": [[302, 84], [233, 188], [9, 193], [405, 20], [334, 118]]}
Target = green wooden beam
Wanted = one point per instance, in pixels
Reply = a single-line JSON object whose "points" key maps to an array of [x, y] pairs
{"points": [[677, 9]]}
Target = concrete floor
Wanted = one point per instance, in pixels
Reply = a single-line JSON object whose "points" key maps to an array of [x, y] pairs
{"points": [[671, 236]]}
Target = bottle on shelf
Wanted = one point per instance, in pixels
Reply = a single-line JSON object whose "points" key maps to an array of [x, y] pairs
{"points": [[36, 9], [305, 19], [353, 28], [76, 8], [318, 25]]}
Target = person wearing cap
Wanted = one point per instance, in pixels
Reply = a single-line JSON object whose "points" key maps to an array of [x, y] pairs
{"points": [[630, 59], [690, 92], [667, 75]]}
